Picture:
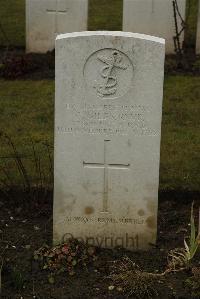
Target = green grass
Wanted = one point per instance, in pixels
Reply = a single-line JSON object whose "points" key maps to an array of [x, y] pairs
{"points": [[12, 22], [27, 108], [105, 14], [180, 146]]}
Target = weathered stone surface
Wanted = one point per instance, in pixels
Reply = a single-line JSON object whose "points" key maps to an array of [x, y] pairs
{"points": [[109, 89], [47, 18], [154, 17]]}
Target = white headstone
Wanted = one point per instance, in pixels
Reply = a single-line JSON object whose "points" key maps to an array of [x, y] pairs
{"points": [[154, 17], [198, 33], [109, 89], [47, 18]]}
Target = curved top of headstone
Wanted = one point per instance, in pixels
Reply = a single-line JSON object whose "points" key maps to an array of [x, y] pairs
{"points": [[112, 33]]}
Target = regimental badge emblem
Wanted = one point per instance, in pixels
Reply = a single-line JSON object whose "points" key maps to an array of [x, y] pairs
{"points": [[108, 73], [111, 62]]}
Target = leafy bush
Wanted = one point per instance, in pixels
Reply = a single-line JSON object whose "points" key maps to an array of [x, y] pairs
{"points": [[16, 65], [65, 257]]}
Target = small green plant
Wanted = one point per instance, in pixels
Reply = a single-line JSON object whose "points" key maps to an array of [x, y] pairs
{"points": [[180, 258], [194, 242], [65, 257], [17, 279]]}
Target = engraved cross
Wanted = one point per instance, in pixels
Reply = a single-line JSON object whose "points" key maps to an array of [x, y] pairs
{"points": [[56, 13], [106, 166]]}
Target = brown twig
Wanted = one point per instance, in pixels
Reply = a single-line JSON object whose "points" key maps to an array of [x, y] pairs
{"points": [[18, 161]]}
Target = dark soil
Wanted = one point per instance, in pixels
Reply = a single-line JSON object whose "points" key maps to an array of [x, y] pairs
{"points": [[25, 227]]}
